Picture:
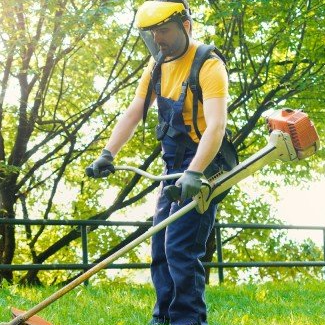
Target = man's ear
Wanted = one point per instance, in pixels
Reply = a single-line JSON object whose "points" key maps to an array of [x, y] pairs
{"points": [[187, 26]]}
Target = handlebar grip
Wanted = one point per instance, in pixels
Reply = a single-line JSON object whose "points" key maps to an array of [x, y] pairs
{"points": [[173, 192], [89, 172], [103, 171]]}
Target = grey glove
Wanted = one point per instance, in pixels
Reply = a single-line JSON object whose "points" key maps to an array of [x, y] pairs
{"points": [[190, 183], [102, 166]]}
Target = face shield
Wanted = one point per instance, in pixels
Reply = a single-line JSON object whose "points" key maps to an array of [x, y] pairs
{"points": [[154, 14], [148, 39]]}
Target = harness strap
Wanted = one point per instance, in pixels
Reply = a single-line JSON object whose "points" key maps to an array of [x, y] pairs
{"points": [[195, 110], [203, 53], [179, 155], [155, 74], [147, 101], [183, 142]]}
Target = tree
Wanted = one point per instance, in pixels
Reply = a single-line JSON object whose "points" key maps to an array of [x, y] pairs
{"points": [[275, 59], [73, 66], [44, 46]]}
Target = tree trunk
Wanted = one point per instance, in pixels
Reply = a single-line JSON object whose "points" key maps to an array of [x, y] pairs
{"points": [[7, 232]]}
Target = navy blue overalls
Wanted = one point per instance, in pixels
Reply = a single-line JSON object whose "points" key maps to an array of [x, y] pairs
{"points": [[177, 273]]}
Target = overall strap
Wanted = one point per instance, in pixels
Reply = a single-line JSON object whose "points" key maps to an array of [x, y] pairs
{"points": [[167, 128]]}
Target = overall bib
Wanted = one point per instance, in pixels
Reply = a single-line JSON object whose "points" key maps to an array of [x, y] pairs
{"points": [[177, 273]]}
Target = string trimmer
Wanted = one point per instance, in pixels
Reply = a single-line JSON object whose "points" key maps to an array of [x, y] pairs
{"points": [[292, 137]]}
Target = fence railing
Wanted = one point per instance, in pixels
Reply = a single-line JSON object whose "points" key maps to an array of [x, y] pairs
{"points": [[220, 265]]}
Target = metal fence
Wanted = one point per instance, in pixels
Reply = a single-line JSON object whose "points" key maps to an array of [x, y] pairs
{"points": [[220, 265]]}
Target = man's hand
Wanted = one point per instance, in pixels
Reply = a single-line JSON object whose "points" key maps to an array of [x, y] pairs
{"points": [[190, 183], [102, 166]]}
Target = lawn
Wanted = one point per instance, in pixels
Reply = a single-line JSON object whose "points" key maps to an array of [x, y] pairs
{"points": [[282, 303]]}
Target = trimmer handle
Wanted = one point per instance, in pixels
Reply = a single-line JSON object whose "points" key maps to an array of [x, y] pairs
{"points": [[107, 171], [173, 192]]}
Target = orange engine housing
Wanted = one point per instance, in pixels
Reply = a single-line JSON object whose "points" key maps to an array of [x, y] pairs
{"points": [[300, 128]]}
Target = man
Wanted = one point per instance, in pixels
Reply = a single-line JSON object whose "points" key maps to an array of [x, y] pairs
{"points": [[177, 273]]}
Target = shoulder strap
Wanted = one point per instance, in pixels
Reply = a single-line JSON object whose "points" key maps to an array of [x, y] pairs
{"points": [[147, 102], [153, 80], [203, 53]]}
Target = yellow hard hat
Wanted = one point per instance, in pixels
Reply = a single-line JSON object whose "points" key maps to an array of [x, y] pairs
{"points": [[155, 13]]}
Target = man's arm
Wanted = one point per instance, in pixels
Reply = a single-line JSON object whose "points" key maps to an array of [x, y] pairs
{"points": [[215, 114], [122, 132], [125, 127]]}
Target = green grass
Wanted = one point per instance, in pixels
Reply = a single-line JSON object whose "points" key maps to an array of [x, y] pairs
{"points": [[128, 304]]}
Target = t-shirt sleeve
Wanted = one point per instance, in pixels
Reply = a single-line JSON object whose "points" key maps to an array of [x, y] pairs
{"points": [[142, 88], [213, 79]]}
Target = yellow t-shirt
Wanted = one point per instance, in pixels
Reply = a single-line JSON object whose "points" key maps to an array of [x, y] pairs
{"points": [[213, 81]]}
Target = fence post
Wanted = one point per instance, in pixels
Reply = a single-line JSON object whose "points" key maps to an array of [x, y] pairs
{"points": [[324, 243], [219, 252], [84, 244]]}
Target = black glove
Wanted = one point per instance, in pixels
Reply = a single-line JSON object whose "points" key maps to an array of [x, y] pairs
{"points": [[102, 166], [190, 183]]}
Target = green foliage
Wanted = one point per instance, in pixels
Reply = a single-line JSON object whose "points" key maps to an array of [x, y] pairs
{"points": [[6, 170], [124, 303], [261, 245], [275, 60]]}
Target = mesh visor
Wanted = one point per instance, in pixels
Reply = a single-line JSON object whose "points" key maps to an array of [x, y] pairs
{"points": [[153, 48]]}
